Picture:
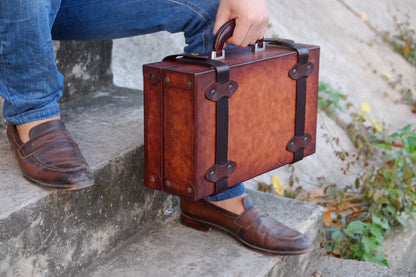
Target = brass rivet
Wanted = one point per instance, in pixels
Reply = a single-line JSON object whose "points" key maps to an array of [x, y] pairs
{"points": [[189, 190], [168, 184], [188, 83], [167, 80], [152, 179]]}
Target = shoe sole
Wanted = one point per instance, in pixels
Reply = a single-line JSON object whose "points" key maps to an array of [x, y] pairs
{"points": [[205, 226], [51, 187]]}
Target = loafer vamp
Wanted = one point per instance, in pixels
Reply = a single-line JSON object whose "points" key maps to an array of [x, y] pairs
{"points": [[267, 233], [51, 158], [60, 156], [253, 227]]}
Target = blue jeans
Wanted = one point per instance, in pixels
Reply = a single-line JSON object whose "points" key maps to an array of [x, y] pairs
{"points": [[29, 79]]}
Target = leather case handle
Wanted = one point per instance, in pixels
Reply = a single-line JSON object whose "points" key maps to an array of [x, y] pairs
{"points": [[223, 34]]}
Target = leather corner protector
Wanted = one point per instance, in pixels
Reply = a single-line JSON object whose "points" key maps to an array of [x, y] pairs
{"points": [[153, 76], [178, 187], [217, 91], [301, 70], [153, 180], [297, 143], [217, 172]]}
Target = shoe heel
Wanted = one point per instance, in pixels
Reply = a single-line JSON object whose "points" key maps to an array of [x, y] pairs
{"points": [[189, 222]]}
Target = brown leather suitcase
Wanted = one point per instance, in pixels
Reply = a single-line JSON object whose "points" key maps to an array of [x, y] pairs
{"points": [[211, 123]]}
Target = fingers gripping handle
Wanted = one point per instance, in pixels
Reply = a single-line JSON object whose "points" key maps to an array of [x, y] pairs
{"points": [[222, 35]]}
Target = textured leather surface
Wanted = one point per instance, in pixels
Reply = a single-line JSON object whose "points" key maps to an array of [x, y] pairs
{"points": [[51, 159], [253, 227], [180, 122]]}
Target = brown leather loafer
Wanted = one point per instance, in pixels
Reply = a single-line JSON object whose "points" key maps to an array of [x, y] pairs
{"points": [[253, 227], [51, 159]]}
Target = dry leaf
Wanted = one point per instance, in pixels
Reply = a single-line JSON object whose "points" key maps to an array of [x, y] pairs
{"points": [[279, 188], [328, 221], [328, 217], [406, 49], [365, 108], [316, 193], [362, 15]]}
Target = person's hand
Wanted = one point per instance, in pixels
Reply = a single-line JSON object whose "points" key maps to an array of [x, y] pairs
{"points": [[251, 17]]}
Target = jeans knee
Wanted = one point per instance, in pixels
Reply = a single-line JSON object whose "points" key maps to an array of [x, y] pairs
{"points": [[199, 25], [22, 10]]}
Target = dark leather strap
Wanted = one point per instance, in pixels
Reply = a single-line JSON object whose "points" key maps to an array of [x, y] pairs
{"points": [[298, 72], [222, 69], [223, 168]]}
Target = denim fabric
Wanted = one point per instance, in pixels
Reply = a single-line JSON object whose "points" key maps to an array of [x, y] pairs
{"points": [[232, 192], [29, 80]]}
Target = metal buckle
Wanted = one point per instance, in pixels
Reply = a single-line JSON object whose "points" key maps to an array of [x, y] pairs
{"points": [[215, 57], [257, 48]]}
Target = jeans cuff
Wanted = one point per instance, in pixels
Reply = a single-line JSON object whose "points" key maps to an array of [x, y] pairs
{"points": [[231, 192]]}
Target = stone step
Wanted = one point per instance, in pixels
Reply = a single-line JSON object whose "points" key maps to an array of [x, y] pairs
{"points": [[333, 267], [59, 233], [170, 249]]}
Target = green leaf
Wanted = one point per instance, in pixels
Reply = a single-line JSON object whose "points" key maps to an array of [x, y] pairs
{"points": [[401, 220], [381, 260], [411, 144], [384, 224], [356, 227], [370, 244], [377, 231], [385, 146], [328, 248]]}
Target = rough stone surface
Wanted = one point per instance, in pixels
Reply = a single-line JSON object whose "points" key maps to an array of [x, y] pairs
{"points": [[85, 65], [327, 266], [129, 54], [57, 234], [170, 249], [400, 247]]}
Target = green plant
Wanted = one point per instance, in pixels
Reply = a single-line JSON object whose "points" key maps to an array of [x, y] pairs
{"points": [[329, 99], [404, 40], [385, 192], [382, 198], [359, 240]]}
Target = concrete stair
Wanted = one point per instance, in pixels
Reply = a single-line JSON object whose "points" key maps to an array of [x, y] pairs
{"points": [[62, 233], [119, 227], [170, 249], [58, 234], [327, 266]]}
